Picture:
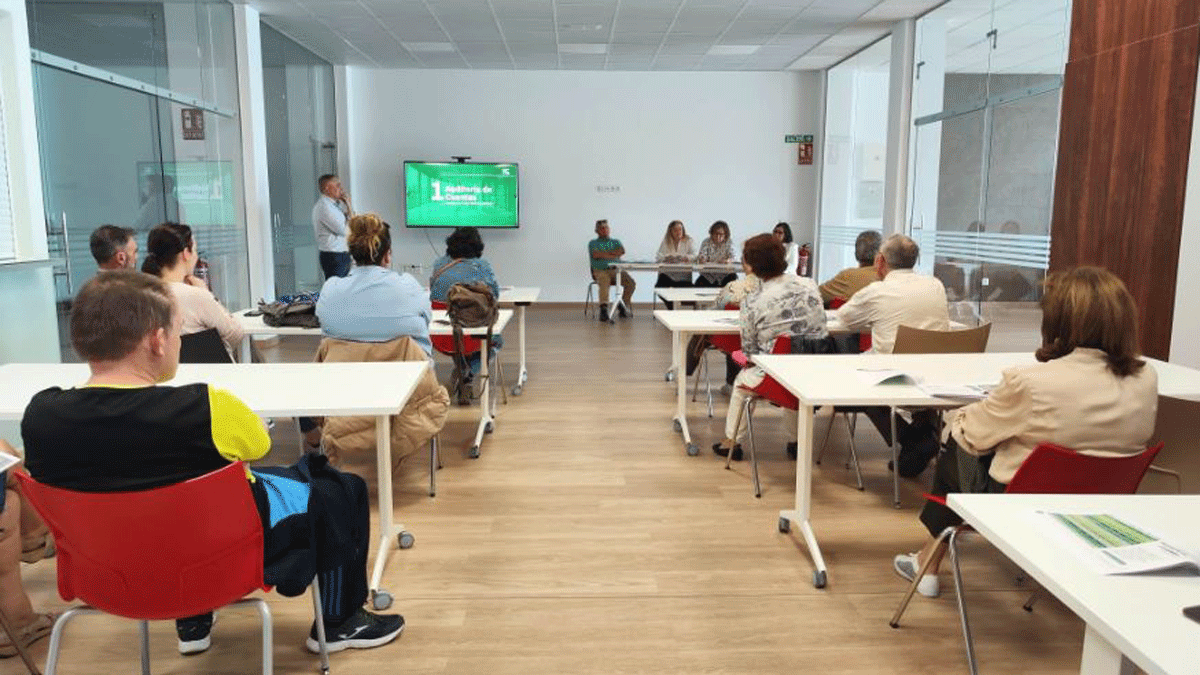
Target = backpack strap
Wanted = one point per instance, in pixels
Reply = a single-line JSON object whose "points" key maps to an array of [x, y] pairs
{"points": [[442, 269]]}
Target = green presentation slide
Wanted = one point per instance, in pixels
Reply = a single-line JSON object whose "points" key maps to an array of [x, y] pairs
{"points": [[448, 194], [199, 193]]}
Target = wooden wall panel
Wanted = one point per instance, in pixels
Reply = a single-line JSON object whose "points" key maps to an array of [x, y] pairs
{"points": [[1123, 149]]}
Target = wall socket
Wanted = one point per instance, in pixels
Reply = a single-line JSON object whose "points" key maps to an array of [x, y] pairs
{"points": [[608, 188]]}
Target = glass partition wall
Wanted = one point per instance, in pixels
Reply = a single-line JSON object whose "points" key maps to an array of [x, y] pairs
{"points": [[986, 99], [301, 128], [137, 124]]}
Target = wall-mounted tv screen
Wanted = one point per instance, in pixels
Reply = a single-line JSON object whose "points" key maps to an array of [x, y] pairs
{"points": [[452, 194]]}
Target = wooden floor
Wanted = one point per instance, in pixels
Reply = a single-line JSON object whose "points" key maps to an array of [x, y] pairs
{"points": [[585, 541]]}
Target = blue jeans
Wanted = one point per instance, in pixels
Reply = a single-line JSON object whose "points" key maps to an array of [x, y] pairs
{"points": [[334, 264]]}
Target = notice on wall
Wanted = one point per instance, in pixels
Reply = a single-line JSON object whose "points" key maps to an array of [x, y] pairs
{"points": [[192, 122]]}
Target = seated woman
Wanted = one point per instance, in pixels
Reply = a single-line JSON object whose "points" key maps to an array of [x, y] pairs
{"points": [[783, 233], [783, 304], [373, 303], [716, 248], [676, 247], [1090, 392], [464, 264], [23, 538], [171, 256]]}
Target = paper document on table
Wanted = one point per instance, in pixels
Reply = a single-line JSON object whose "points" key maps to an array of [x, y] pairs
{"points": [[728, 321], [875, 376], [971, 392], [1110, 545], [8, 461]]}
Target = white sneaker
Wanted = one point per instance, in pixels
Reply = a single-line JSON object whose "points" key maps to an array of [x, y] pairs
{"points": [[907, 566]]}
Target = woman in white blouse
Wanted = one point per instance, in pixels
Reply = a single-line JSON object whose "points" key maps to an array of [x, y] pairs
{"points": [[783, 232], [171, 256], [676, 247], [1089, 392]]}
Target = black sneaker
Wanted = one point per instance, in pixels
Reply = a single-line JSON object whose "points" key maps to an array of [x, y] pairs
{"points": [[362, 630], [724, 451], [791, 451], [195, 633], [622, 311], [604, 313]]}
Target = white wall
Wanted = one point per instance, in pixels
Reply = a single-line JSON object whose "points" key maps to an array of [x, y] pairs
{"points": [[1185, 327], [691, 146]]}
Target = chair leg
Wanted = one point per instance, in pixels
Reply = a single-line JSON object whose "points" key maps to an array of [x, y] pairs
{"points": [[433, 465], [851, 425], [144, 631], [828, 430], [696, 377], [56, 635], [912, 586], [500, 379], [1028, 606], [708, 384], [753, 456], [895, 460], [12, 636], [968, 642], [319, 620]]}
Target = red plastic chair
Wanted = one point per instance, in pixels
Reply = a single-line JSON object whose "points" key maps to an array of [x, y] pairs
{"points": [[768, 390], [154, 555], [864, 339], [1050, 469], [726, 343]]}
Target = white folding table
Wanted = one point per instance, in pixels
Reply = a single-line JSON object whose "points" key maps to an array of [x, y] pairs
{"points": [[379, 390], [440, 325], [520, 297], [686, 295], [651, 266], [1132, 620], [832, 379]]}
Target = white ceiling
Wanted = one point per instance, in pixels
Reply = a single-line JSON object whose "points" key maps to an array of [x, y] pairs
{"points": [[588, 34]]}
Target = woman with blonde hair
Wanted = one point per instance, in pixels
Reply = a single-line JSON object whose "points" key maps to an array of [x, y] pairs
{"points": [[1089, 392], [676, 247]]}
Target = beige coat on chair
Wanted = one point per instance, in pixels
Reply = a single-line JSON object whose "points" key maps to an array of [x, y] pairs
{"points": [[422, 418]]}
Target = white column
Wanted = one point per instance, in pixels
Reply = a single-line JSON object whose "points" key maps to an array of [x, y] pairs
{"points": [[252, 110], [20, 129], [895, 184], [1185, 329]]}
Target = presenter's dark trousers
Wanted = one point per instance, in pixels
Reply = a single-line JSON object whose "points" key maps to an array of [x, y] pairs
{"points": [[334, 264]]}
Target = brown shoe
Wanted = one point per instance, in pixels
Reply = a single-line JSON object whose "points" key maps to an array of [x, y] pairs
{"points": [[26, 635]]}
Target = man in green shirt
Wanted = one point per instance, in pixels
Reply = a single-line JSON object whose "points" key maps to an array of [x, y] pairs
{"points": [[603, 251]]}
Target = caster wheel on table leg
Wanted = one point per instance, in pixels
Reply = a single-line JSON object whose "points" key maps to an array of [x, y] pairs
{"points": [[473, 452], [819, 579], [785, 525], [516, 391], [693, 450], [678, 426], [670, 376], [406, 539], [380, 600]]}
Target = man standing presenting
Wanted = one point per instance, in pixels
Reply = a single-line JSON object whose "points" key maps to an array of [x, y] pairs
{"points": [[114, 248], [329, 217], [603, 251]]}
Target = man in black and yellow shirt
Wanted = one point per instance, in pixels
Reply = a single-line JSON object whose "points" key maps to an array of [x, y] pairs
{"points": [[124, 431]]}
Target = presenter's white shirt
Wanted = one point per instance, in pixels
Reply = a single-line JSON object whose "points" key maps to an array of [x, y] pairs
{"points": [[902, 298], [329, 225]]}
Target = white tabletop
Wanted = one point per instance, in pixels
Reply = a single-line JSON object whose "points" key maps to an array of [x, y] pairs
{"points": [[1140, 615], [829, 379], [725, 321], [519, 295], [650, 265], [269, 389], [253, 325], [688, 294]]}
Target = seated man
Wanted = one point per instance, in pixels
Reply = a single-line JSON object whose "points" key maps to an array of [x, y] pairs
{"points": [[853, 279], [123, 430], [603, 252], [901, 297], [114, 248]]}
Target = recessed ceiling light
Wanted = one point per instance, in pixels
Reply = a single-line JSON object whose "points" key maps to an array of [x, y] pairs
{"points": [[429, 47], [580, 26], [582, 48], [732, 50]]}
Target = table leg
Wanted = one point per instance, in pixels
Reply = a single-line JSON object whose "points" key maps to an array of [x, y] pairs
{"points": [[681, 424], [618, 298], [486, 411], [1100, 657], [523, 375], [388, 528], [673, 371], [800, 513], [245, 348]]}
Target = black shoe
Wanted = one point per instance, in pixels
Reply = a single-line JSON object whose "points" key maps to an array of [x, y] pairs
{"points": [[791, 451], [724, 451], [362, 630], [622, 311], [195, 633], [915, 458], [604, 313]]}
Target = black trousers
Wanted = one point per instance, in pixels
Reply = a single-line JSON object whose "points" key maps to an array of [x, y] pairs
{"points": [[334, 264], [703, 281], [952, 463], [665, 281]]}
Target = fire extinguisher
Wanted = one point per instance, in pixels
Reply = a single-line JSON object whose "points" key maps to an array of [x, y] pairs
{"points": [[802, 268]]}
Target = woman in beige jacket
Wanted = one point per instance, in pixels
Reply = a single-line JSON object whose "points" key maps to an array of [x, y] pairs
{"points": [[1089, 392]]}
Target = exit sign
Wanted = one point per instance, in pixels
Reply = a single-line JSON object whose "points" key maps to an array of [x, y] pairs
{"points": [[798, 138]]}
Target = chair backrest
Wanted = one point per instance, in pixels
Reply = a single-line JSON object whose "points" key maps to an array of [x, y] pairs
{"points": [[203, 347], [1053, 469], [863, 339], [911, 340], [164, 553]]}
